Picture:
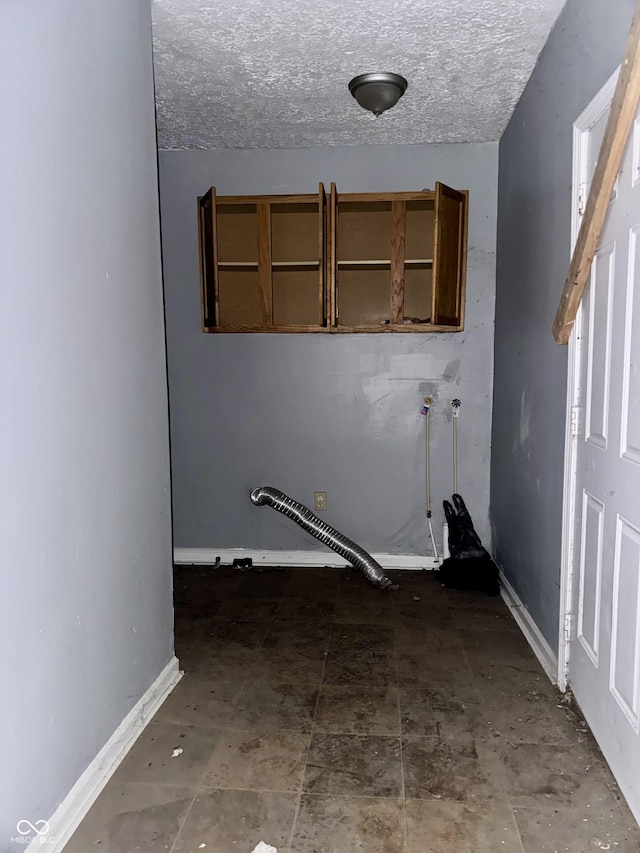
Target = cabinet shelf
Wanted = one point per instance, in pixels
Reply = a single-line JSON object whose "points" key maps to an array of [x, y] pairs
{"points": [[275, 264], [252, 278], [408, 262]]}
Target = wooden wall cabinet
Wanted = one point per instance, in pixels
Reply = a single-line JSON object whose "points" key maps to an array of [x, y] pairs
{"points": [[366, 262], [263, 263]]}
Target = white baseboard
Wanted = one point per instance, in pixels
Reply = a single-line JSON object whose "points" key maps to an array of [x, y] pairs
{"points": [[300, 559], [541, 648], [85, 792]]}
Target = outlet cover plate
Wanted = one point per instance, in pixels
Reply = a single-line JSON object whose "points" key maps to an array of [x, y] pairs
{"points": [[319, 501]]}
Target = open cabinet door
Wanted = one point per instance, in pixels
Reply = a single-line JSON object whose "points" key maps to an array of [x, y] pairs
{"points": [[332, 257], [323, 279], [208, 258], [449, 257]]}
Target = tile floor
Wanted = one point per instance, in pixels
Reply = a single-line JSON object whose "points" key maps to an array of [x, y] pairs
{"points": [[321, 715]]}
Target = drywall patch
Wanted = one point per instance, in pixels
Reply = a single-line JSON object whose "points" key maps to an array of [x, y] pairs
{"points": [[451, 370], [525, 419]]}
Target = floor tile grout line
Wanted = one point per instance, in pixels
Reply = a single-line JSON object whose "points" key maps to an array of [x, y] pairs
{"points": [[364, 796], [261, 644], [402, 785], [311, 734], [204, 789], [199, 786], [141, 783], [183, 822], [311, 730], [507, 797], [195, 639]]}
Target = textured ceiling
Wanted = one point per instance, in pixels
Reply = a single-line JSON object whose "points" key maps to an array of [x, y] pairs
{"points": [[274, 73]]}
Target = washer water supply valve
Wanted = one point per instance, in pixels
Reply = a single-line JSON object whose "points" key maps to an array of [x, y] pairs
{"points": [[428, 402]]}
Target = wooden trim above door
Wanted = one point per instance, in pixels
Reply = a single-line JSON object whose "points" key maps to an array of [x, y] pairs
{"points": [[623, 109]]}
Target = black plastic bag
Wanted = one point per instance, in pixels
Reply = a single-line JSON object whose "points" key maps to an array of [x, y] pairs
{"points": [[470, 565]]}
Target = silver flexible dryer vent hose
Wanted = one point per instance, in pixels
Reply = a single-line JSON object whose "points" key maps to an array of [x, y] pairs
{"points": [[302, 515]]}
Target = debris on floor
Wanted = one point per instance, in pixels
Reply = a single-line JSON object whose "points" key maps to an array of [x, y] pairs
{"points": [[177, 751], [264, 848], [246, 565]]}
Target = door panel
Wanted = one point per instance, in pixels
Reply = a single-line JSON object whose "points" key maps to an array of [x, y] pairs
{"points": [[599, 348], [631, 390], [590, 583], [625, 646]]}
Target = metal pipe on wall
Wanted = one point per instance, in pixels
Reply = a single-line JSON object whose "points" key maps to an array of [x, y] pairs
{"points": [[329, 536]]}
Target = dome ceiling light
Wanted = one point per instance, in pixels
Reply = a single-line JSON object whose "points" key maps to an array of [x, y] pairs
{"points": [[378, 92]]}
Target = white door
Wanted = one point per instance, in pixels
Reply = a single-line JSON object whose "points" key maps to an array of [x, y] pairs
{"points": [[604, 662]]}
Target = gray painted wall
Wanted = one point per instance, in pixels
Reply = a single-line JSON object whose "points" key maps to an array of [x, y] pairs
{"points": [[85, 539], [312, 412], [534, 225]]}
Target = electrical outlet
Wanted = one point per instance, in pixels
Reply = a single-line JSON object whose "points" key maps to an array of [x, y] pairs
{"points": [[319, 501]]}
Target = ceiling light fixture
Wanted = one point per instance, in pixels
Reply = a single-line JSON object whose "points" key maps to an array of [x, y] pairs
{"points": [[378, 92]]}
